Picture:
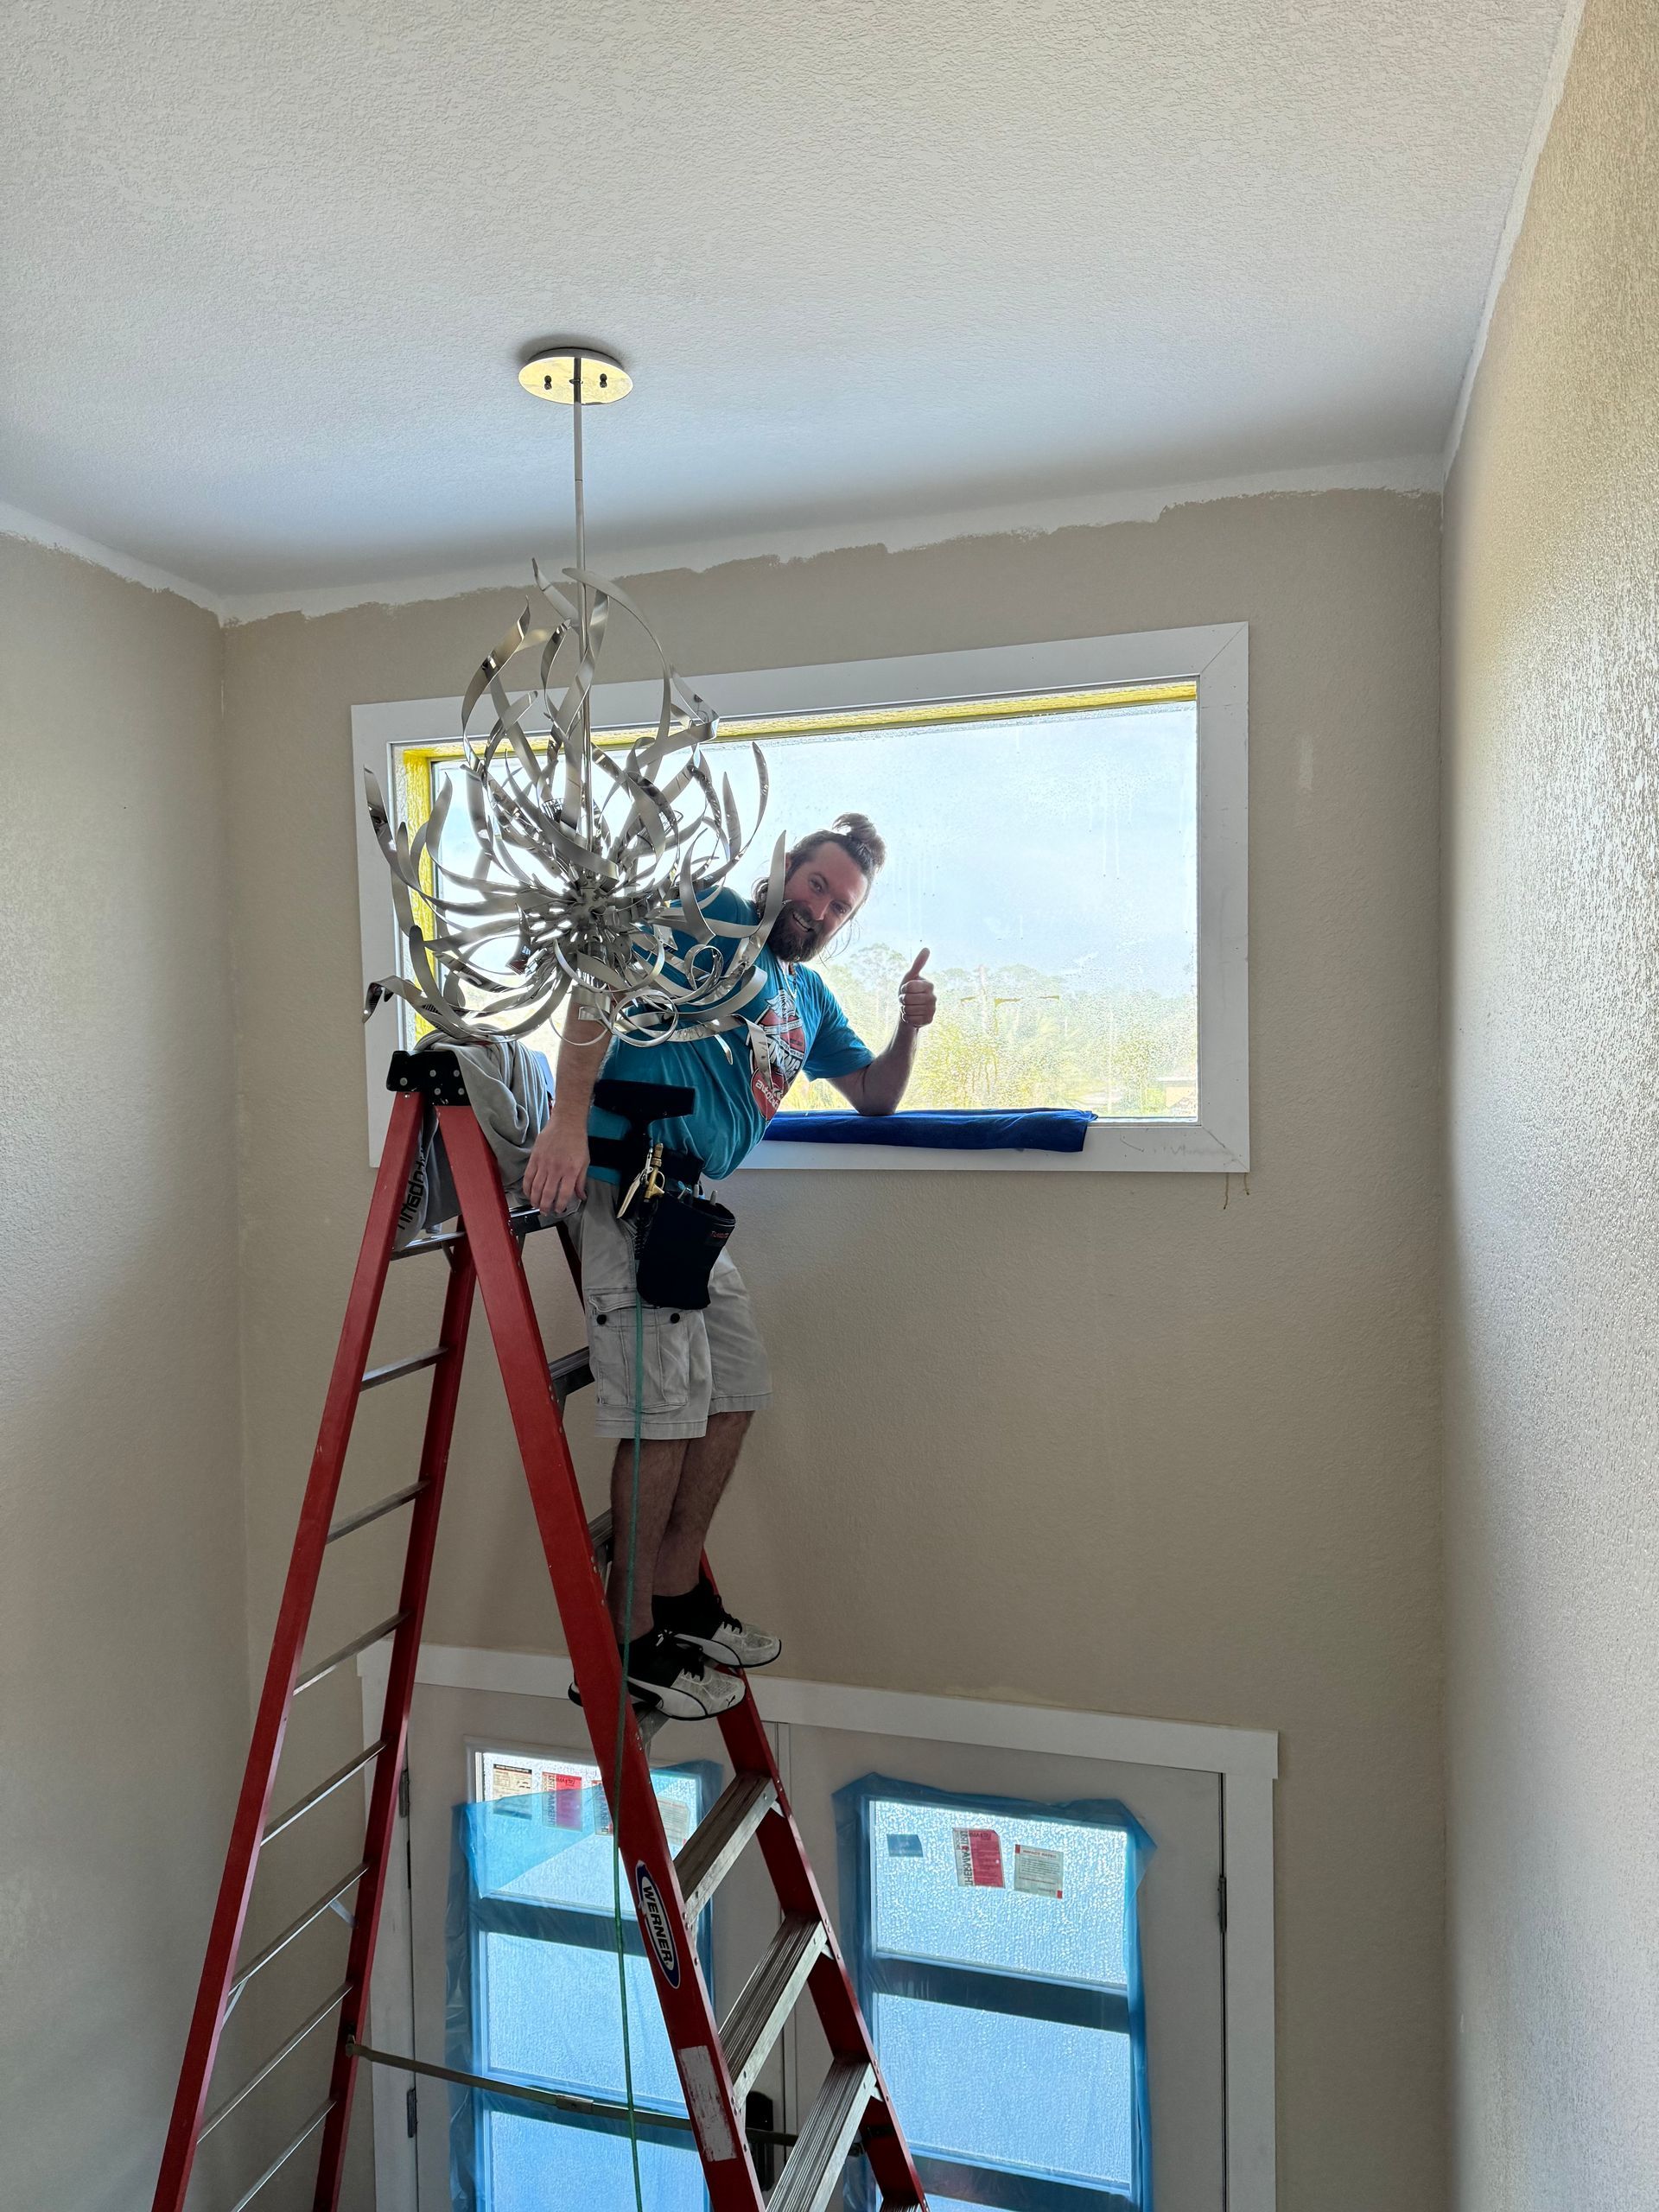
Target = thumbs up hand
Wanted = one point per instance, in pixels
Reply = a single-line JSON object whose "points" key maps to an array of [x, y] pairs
{"points": [[917, 1003]]}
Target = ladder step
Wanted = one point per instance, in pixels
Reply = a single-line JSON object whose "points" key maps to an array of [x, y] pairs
{"points": [[356, 1521], [377, 1375], [812, 2170], [276, 2059], [752, 2027], [284, 2155], [294, 1928], [714, 1846], [338, 1658], [569, 1372], [323, 1789]]}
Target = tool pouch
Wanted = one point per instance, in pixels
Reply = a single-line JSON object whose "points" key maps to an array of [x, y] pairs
{"points": [[677, 1238]]}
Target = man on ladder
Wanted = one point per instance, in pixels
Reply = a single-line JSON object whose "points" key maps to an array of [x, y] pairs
{"points": [[705, 1372]]}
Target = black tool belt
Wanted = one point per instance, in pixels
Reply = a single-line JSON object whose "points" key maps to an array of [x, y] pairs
{"points": [[678, 1233]]}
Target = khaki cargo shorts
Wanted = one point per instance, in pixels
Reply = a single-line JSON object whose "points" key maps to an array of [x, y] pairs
{"points": [[694, 1364]]}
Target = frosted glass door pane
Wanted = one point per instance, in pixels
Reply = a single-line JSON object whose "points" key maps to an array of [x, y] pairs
{"points": [[994, 2088], [923, 1910], [534, 2167], [552, 2013]]}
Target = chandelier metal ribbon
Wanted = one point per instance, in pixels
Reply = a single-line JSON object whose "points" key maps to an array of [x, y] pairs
{"points": [[594, 862]]}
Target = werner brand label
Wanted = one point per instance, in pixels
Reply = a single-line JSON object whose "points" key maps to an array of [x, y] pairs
{"points": [[655, 1919]]}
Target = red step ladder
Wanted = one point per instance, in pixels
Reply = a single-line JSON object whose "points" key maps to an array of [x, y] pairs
{"points": [[717, 2060]]}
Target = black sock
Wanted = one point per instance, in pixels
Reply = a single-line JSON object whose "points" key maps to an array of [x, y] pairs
{"points": [[689, 1610], [652, 1657]]}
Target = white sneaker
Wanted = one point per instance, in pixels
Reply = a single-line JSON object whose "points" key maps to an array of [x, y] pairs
{"points": [[693, 1692], [731, 1642], [667, 1677]]}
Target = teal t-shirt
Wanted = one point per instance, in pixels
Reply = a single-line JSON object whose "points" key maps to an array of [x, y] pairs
{"points": [[804, 1027]]}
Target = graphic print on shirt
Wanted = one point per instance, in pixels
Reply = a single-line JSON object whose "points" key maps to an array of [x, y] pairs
{"points": [[778, 1048]]}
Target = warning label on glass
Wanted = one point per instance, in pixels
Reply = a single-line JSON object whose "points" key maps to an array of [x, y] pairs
{"points": [[1038, 1873], [979, 1859]]}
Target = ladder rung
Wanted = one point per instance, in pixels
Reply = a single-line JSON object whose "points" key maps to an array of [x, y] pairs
{"points": [[599, 1536], [294, 1928], [339, 1659], [377, 1375], [284, 2155], [274, 2061], [752, 2027], [349, 1528], [323, 1789], [570, 1371], [522, 1224], [554, 2099], [419, 1246], [813, 2167], [714, 1847]]}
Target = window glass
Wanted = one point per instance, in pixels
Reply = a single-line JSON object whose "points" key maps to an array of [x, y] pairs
{"points": [[563, 1856], [1050, 863], [923, 1909], [551, 2012], [995, 1950], [533, 2167], [1051, 866], [1031, 2094], [545, 2009]]}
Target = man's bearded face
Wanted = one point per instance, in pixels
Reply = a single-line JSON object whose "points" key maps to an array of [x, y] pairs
{"points": [[794, 935], [821, 895]]}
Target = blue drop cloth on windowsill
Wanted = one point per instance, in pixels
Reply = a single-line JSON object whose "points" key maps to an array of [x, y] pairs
{"points": [[1047, 1130]]}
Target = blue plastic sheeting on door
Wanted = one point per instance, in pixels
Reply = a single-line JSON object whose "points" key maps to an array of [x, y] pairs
{"points": [[999, 1966], [532, 1994]]}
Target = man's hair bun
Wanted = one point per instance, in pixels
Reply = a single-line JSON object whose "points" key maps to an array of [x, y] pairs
{"points": [[855, 834], [862, 840]]}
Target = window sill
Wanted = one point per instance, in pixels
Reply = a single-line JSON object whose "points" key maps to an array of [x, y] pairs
{"points": [[873, 1142]]}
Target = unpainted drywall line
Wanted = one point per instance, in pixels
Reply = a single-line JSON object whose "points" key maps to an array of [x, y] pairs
{"points": [[1561, 61], [892, 534], [1418, 474], [14, 523]]}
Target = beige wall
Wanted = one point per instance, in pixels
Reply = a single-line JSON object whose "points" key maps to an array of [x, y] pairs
{"points": [[1134, 1443], [1552, 711], [122, 1688]]}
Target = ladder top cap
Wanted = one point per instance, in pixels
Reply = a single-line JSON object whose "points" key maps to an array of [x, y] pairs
{"points": [[435, 1075]]}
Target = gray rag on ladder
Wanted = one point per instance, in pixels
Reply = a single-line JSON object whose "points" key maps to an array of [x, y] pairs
{"points": [[509, 1089]]}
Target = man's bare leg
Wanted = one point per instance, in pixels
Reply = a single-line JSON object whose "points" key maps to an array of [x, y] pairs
{"points": [[661, 1462], [710, 1459]]}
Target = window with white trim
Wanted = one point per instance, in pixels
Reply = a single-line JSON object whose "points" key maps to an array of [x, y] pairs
{"points": [[1070, 850]]}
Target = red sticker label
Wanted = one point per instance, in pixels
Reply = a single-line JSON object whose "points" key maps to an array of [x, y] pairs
{"points": [[979, 1859], [564, 1801]]}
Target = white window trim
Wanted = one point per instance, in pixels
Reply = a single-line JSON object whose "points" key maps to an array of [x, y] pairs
{"points": [[1215, 657], [1245, 1761]]}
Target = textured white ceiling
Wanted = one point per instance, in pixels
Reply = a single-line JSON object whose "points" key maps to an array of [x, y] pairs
{"points": [[269, 268]]}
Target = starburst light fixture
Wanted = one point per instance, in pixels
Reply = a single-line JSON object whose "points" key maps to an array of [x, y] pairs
{"points": [[594, 862]]}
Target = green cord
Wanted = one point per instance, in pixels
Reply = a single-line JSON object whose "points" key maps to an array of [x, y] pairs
{"points": [[621, 1734]]}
